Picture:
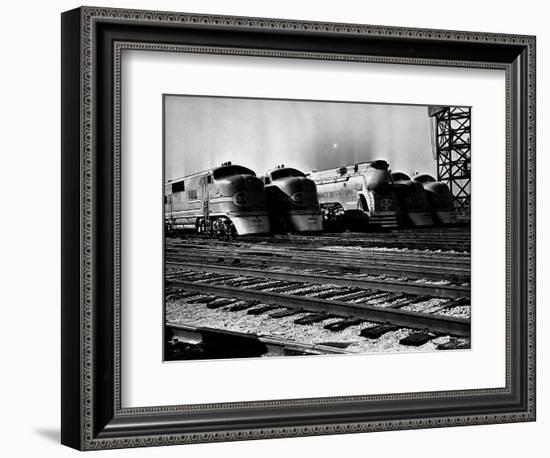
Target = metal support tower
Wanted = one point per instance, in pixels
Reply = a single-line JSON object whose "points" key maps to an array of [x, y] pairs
{"points": [[452, 145]]}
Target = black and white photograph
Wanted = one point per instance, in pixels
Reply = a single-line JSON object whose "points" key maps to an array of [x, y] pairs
{"points": [[314, 227]]}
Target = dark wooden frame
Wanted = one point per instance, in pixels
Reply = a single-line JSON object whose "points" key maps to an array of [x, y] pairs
{"points": [[92, 39]]}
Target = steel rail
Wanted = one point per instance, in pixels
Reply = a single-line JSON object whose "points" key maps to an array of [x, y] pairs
{"points": [[242, 241], [400, 257], [463, 246], [444, 291], [417, 320], [269, 341], [375, 268]]}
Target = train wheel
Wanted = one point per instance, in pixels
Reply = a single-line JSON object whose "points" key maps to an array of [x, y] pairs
{"points": [[232, 230], [201, 226]]}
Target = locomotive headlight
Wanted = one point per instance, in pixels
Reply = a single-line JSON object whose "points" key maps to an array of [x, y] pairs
{"points": [[240, 198]]}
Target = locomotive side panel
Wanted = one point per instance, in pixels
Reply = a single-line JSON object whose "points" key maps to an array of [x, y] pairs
{"points": [[341, 192], [232, 204], [184, 204]]}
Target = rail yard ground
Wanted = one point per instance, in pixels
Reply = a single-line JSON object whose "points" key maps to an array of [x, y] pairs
{"points": [[261, 296]]}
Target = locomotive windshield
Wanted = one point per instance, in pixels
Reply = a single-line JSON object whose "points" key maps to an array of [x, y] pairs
{"points": [[425, 178], [379, 164], [230, 170], [285, 173], [400, 176]]}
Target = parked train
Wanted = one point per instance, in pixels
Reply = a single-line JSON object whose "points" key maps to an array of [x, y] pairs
{"points": [[440, 199], [414, 209], [228, 200], [292, 201], [363, 189]]}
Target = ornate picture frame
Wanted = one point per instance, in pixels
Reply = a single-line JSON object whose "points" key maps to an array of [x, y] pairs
{"points": [[92, 414]]}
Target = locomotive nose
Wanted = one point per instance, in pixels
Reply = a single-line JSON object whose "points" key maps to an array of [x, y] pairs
{"points": [[247, 191], [378, 177], [303, 191], [378, 181]]}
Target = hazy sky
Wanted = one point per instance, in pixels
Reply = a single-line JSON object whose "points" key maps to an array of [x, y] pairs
{"points": [[203, 132]]}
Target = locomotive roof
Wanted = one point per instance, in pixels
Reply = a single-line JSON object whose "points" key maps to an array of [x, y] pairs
{"points": [[281, 168], [425, 178], [211, 170], [349, 170], [400, 176]]}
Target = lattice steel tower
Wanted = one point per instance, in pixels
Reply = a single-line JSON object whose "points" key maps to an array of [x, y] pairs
{"points": [[452, 150]]}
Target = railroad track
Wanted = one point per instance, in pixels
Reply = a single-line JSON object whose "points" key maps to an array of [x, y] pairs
{"points": [[411, 268], [339, 318], [438, 258], [377, 284], [391, 240], [341, 297], [376, 293], [222, 343], [435, 241]]}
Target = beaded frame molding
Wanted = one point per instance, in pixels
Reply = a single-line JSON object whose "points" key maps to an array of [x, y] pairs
{"points": [[92, 42]]}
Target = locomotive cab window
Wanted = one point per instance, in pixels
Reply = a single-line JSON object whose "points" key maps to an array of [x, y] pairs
{"points": [[178, 187], [424, 178], [286, 173], [400, 176], [231, 170]]}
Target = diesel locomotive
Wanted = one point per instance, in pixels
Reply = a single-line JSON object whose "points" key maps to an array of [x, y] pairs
{"points": [[440, 199], [227, 200], [414, 209], [292, 201], [363, 189]]}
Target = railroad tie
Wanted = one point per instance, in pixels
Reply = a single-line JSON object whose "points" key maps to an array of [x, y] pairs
{"points": [[454, 344], [203, 300], [413, 300], [415, 339], [245, 282], [181, 274], [330, 293], [194, 276], [220, 303], [312, 318], [262, 309], [245, 305], [223, 278], [179, 295], [286, 312], [395, 296], [343, 324], [351, 296], [378, 331], [371, 296], [379, 296], [455, 303], [310, 291], [285, 288], [267, 284]]}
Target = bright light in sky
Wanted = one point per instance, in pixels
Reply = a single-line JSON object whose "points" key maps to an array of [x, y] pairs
{"points": [[335, 145]]}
